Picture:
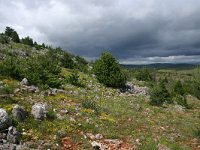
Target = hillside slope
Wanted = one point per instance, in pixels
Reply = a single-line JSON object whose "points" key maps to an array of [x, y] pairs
{"points": [[89, 114]]}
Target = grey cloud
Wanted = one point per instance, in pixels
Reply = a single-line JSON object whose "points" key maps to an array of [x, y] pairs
{"points": [[129, 29]]}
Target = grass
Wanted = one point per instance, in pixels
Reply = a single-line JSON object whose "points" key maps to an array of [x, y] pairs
{"points": [[117, 116]]}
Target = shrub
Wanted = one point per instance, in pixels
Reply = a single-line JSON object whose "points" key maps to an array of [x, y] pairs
{"points": [[180, 100], [39, 70], [159, 95], [73, 78], [42, 70], [89, 104], [11, 67], [144, 75], [4, 39], [80, 64], [108, 71], [6, 89], [198, 133], [27, 41], [178, 88], [196, 82]]}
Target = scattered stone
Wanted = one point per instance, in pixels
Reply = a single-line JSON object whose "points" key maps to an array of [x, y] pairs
{"points": [[97, 145], [6, 95], [162, 147], [60, 117], [98, 136], [64, 112], [54, 91], [5, 121], [19, 113], [62, 133], [72, 119], [39, 111], [17, 90], [13, 135], [138, 142], [8, 147], [32, 89], [2, 138], [179, 108], [90, 136], [93, 75], [24, 81]]}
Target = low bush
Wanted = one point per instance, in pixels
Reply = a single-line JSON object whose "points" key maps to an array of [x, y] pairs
{"points": [[180, 100], [39, 70], [89, 104], [73, 78]]}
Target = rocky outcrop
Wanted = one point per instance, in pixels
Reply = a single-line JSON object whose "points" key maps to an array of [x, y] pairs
{"points": [[130, 88], [39, 111]]}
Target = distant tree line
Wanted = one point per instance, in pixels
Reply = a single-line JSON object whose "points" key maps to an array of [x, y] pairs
{"points": [[11, 35]]}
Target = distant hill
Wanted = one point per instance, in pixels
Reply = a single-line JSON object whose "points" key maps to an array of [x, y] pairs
{"points": [[163, 66]]}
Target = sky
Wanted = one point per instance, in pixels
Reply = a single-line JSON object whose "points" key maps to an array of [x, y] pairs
{"points": [[134, 31]]}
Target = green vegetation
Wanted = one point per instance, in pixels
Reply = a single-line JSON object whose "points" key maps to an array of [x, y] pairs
{"points": [[108, 71], [144, 75], [27, 41], [160, 94], [83, 105]]}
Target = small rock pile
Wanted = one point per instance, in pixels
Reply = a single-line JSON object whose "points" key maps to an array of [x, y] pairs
{"points": [[9, 136], [26, 88], [132, 89]]}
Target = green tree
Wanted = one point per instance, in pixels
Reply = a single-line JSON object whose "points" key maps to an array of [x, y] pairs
{"points": [[196, 82], [80, 64], [15, 37], [27, 40], [144, 75], [178, 88], [159, 95], [108, 71], [9, 31]]}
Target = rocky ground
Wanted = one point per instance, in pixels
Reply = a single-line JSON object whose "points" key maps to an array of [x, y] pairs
{"points": [[93, 117]]}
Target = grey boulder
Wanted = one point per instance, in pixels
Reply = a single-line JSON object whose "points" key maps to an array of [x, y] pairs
{"points": [[24, 81], [5, 121], [39, 111], [19, 113], [13, 135]]}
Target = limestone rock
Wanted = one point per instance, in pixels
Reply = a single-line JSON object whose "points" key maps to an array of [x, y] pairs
{"points": [[19, 113], [96, 145], [32, 89], [24, 81], [5, 121], [39, 111], [13, 135]]}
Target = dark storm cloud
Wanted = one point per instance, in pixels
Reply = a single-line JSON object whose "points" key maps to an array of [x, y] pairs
{"points": [[130, 29]]}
